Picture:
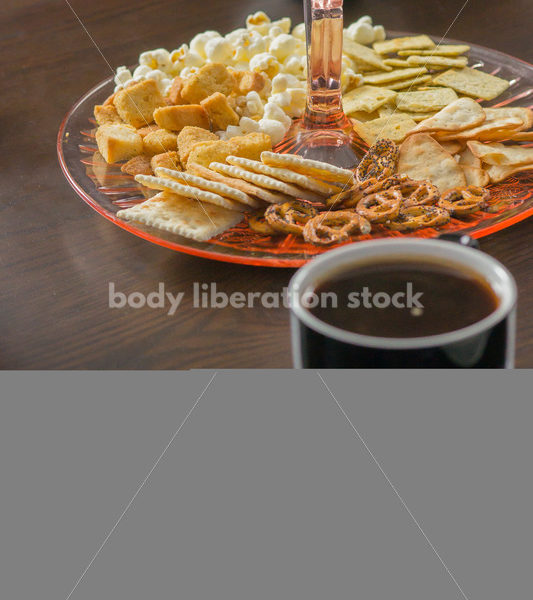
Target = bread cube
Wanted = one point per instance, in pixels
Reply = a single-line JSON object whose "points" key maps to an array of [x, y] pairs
{"points": [[168, 160], [249, 81], [251, 145], [211, 78], [174, 94], [144, 131], [204, 153], [175, 118], [118, 142], [219, 111], [160, 141], [106, 114], [188, 137], [138, 165], [136, 104]]}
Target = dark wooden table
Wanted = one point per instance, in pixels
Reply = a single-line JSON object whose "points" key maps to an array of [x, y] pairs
{"points": [[57, 256]]}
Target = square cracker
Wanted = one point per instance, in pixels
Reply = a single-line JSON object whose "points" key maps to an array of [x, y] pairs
{"points": [[394, 75], [394, 128], [184, 216], [365, 58], [418, 42], [366, 98], [473, 83], [408, 83], [461, 114], [422, 158], [442, 50], [425, 101], [437, 61]]}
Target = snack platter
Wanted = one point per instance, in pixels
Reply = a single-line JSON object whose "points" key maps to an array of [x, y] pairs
{"points": [[107, 189]]}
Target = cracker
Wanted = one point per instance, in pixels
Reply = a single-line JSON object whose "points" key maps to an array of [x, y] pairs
{"points": [[263, 181], [437, 61], [463, 113], [441, 50], [467, 158], [396, 62], [393, 127], [452, 147], [476, 176], [222, 189], [394, 76], [431, 100], [362, 115], [183, 216], [522, 136], [366, 98], [418, 42], [169, 185], [313, 168], [408, 83], [365, 58], [499, 154], [422, 158], [473, 83], [499, 173], [496, 121], [387, 110], [286, 175]]}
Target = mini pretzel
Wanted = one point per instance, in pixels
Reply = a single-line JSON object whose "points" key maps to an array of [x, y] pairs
{"points": [[335, 227], [350, 197], [419, 193], [381, 206], [379, 162], [289, 217], [416, 217], [464, 201], [259, 224]]}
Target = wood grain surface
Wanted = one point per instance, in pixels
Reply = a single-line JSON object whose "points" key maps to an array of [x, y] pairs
{"points": [[57, 256]]}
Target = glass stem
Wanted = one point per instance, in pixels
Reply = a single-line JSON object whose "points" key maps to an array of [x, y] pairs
{"points": [[324, 29]]}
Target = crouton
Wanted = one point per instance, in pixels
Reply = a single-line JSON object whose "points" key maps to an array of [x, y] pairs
{"points": [[249, 81], [175, 118], [174, 94], [138, 165], [211, 78], [168, 160], [106, 114], [251, 145], [160, 141], [144, 131], [136, 104], [204, 153], [188, 137], [219, 111], [118, 142]]}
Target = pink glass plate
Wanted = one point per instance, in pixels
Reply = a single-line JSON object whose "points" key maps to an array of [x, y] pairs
{"points": [[106, 189]]}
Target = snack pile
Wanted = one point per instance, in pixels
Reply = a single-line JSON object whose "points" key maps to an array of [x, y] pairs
{"points": [[198, 125]]}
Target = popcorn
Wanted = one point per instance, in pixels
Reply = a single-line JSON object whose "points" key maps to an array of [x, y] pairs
{"points": [[283, 46], [183, 57], [247, 45], [275, 113], [254, 105], [156, 59], [299, 32], [259, 22], [265, 63], [274, 129], [199, 41], [233, 37], [188, 71], [363, 32], [293, 66], [219, 50], [284, 24], [122, 77], [248, 125], [233, 130]]}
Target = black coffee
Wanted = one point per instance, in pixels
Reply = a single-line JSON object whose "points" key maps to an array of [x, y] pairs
{"points": [[402, 298]]}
